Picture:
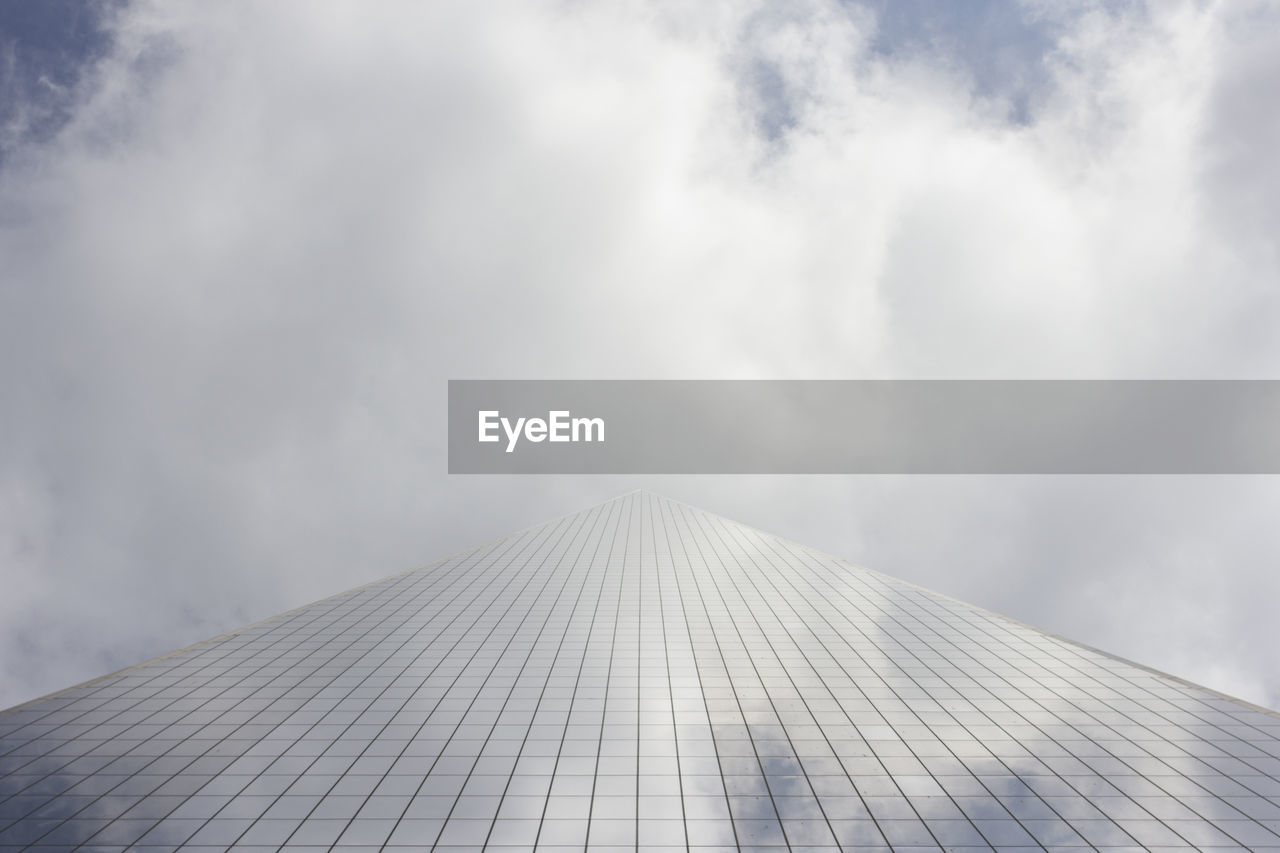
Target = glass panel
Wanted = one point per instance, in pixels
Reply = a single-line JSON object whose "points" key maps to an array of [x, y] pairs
{"points": [[640, 674]]}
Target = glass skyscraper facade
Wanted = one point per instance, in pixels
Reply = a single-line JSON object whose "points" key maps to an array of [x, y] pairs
{"points": [[639, 675]]}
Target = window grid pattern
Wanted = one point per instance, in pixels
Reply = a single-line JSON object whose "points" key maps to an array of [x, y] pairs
{"points": [[639, 675]]}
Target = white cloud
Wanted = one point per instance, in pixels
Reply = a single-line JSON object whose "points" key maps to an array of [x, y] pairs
{"points": [[237, 281]]}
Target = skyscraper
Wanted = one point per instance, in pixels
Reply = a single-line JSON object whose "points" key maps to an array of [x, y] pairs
{"points": [[639, 674]]}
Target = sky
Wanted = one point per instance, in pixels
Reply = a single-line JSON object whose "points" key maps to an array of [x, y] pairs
{"points": [[243, 247]]}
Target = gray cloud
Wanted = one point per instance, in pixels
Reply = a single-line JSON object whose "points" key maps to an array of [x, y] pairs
{"points": [[239, 275]]}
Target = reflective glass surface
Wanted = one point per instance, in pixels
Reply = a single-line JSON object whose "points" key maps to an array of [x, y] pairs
{"points": [[639, 675]]}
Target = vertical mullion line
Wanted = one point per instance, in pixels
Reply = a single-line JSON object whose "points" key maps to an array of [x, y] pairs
{"points": [[577, 567], [604, 708], [791, 637], [574, 523], [710, 728], [462, 610], [335, 654], [552, 610], [638, 539], [1016, 689], [228, 652], [654, 524], [733, 688], [908, 677], [750, 611], [535, 541], [547, 579]]}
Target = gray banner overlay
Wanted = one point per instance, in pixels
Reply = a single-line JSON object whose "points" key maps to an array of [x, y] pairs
{"points": [[864, 427]]}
